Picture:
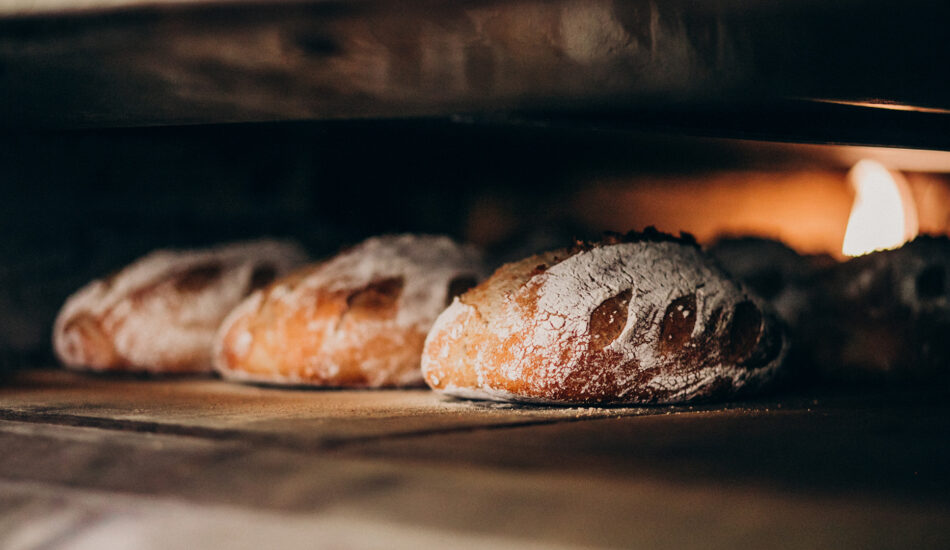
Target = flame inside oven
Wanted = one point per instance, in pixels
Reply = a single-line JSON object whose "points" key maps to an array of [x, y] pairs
{"points": [[884, 215]]}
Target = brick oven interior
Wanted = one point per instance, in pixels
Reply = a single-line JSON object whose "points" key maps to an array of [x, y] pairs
{"points": [[222, 136]]}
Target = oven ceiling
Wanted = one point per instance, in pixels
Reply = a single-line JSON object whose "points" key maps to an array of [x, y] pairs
{"points": [[857, 72]]}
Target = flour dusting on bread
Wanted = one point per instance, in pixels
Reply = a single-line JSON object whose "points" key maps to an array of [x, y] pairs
{"points": [[665, 329], [358, 319], [160, 313]]}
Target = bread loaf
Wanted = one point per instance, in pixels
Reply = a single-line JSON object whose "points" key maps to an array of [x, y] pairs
{"points": [[636, 318], [358, 319], [160, 313], [884, 316]]}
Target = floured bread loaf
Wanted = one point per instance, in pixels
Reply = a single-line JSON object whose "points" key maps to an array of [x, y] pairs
{"points": [[160, 313], [356, 320], [640, 318]]}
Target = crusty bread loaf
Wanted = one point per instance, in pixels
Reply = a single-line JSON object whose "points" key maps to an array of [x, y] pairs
{"points": [[885, 316], [640, 318], [356, 320], [160, 313]]}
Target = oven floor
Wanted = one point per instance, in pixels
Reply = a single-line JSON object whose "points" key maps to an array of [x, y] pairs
{"points": [[97, 462]]}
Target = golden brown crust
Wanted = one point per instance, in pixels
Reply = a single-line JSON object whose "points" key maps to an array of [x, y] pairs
{"points": [[285, 337], [357, 320]]}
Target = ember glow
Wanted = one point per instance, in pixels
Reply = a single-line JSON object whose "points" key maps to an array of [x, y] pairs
{"points": [[884, 215]]}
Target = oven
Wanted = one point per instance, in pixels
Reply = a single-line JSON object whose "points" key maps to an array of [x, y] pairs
{"points": [[516, 125]]}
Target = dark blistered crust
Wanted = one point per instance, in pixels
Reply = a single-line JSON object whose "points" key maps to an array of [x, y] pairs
{"points": [[650, 234]]}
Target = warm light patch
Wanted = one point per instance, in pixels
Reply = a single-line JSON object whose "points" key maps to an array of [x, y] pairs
{"points": [[883, 215]]}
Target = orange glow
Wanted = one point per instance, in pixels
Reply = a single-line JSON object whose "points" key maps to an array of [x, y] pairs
{"points": [[883, 215]]}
